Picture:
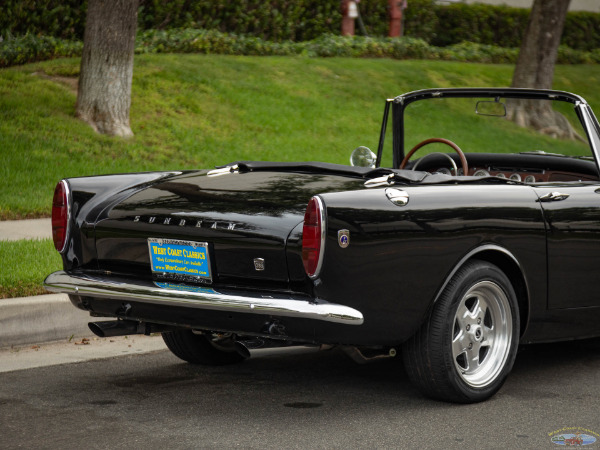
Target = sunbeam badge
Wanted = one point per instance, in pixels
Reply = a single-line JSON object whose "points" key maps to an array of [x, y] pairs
{"points": [[344, 238]]}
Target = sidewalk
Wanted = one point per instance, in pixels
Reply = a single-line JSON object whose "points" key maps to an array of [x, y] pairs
{"points": [[14, 230], [44, 318]]}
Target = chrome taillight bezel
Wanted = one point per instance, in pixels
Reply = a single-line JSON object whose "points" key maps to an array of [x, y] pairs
{"points": [[322, 235], [67, 193]]}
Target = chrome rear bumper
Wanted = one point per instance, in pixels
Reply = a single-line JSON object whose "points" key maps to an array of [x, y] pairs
{"points": [[169, 294]]}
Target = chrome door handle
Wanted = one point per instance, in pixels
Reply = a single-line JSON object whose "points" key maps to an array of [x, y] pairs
{"points": [[553, 197]]}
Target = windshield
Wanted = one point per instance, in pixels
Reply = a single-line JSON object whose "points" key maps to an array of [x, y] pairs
{"points": [[488, 125]]}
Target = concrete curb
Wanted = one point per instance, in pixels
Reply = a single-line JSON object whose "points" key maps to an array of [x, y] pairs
{"points": [[45, 318]]}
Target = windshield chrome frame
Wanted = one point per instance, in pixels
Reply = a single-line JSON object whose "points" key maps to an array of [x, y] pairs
{"points": [[399, 104], [591, 128]]}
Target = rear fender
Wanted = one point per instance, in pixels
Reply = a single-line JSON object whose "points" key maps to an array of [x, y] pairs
{"points": [[400, 257], [509, 264]]}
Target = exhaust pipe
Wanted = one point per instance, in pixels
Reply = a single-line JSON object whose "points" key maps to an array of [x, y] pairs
{"points": [[363, 356], [245, 344], [117, 328], [241, 349]]}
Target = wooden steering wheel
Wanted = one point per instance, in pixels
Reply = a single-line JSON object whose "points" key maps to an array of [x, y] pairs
{"points": [[456, 148]]}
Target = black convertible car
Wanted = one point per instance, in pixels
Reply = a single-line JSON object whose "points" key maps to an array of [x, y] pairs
{"points": [[451, 259]]}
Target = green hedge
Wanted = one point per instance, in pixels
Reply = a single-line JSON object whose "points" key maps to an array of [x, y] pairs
{"points": [[30, 48], [482, 24], [582, 31], [191, 40], [274, 20], [64, 19], [303, 20]]}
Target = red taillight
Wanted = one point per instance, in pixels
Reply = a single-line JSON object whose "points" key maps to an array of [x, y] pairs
{"points": [[60, 215], [312, 237]]}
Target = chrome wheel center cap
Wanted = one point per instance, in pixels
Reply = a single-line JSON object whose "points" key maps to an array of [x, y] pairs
{"points": [[476, 333]]}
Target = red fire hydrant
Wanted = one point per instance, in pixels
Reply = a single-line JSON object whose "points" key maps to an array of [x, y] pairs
{"points": [[349, 14], [396, 7]]}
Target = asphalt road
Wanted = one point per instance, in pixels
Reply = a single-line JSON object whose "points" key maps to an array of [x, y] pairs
{"points": [[300, 399]]}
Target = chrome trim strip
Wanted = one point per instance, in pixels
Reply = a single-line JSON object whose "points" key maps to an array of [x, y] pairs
{"points": [[205, 298], [471, 254], [69, 215], [592, 129], [323, 220], [223, 171], [386, 180]]}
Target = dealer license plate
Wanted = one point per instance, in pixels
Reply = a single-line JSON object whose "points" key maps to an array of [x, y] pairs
{"points": [[173, 259]]}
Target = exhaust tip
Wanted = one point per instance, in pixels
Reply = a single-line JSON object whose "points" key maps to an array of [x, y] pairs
{"points": [[241, 349], [96, 329], [115, 328]]}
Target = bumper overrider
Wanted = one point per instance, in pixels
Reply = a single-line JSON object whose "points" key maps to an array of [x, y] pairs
{"points": [[169, 294]]}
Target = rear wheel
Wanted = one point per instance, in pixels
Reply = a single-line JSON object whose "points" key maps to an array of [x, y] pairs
{"points": [[210, 349], [465, 350]]}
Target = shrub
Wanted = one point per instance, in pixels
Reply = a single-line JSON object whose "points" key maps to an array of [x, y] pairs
{"points": [[482, 53], [582, 31], [421, 20], [63, 19], [482, 24], [30, 48], [568, 55], [274, 20]]}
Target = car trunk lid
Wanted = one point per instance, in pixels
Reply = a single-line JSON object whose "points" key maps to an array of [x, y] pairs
{"points": [[244, 219]]}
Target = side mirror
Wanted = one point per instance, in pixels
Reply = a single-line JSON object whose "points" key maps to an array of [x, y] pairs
{"points": [[363, 157]]}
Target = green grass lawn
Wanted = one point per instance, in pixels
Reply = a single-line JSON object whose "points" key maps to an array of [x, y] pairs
{"points": [[197, 111], [25, 266]]}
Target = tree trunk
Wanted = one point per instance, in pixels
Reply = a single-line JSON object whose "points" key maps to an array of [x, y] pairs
{"points": [[104, 94], [535, 68]]}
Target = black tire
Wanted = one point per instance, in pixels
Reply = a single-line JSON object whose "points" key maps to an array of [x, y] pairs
{"points": [[201, 348], [449, 358]]}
